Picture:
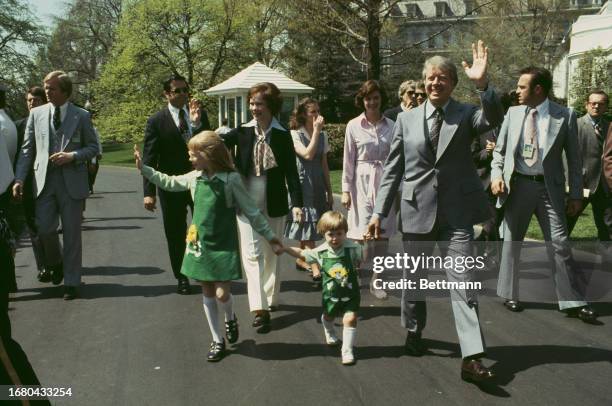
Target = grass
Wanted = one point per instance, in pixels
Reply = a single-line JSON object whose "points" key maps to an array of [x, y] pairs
{"points": [[122, 155], [118, 154]]}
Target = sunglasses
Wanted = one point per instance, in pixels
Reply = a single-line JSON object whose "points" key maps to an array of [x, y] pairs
{"points": [[420, 94], [180, 90]]}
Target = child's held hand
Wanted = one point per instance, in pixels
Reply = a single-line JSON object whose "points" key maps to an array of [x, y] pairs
{"points": [[277, 246], [137, 157]]}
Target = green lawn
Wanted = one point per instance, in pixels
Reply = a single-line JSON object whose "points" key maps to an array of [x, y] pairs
{"points": [[118, 154], [122, 155]]}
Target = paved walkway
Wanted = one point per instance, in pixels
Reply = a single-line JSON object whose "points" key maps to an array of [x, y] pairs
{"points": [[131, 340]]}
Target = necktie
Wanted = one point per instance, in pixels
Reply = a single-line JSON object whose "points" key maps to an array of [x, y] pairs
{"points": [[530, 137], [183, 128], [597, 127], [56, 118], [434, 133]]}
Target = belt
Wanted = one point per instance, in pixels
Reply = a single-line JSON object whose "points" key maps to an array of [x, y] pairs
{"points": [[535, 178]]}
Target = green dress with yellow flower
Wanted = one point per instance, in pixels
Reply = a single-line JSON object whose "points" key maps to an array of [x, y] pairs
{"points": [[212, 251], [340, 282]]}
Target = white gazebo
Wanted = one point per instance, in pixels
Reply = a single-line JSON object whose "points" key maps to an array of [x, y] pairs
{"points": [[233, 93]]}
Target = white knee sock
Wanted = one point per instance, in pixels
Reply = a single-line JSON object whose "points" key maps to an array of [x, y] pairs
{"points": [[212, 315], [348, 339], [228, 308], [328, 326]]}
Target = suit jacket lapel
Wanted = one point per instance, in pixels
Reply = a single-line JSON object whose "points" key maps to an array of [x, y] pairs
{"points": [[44, 123], [449, 127], [516, 129], [554, 125], [171, 125]]}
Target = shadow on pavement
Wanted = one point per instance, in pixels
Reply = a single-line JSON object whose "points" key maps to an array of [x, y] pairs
{"points": [[120, 270], [96, 291]]}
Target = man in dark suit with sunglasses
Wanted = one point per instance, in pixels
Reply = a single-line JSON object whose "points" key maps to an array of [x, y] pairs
{"points": [[165, 149]]}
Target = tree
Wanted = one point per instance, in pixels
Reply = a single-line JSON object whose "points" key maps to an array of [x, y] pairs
{"points": [[519, 33], [593, 71], [205, 41], [359, 25], [19, 33], [80, 43]]}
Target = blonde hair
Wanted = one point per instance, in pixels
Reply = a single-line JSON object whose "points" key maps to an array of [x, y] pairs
{"points": [[65, 84], [332, 221], [211, 147]]}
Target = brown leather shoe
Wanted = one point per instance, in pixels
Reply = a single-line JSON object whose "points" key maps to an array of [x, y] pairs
{"points": [[472, 370]]}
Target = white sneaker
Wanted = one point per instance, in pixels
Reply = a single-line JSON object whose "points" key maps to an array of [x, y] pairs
{"points": [[347, 356]]}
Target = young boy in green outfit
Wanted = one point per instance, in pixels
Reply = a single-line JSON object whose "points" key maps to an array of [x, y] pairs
{"points": [[338, 259]]}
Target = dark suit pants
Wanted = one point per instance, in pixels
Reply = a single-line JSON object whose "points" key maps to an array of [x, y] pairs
{"points": [[601, 204], [174, 213], [454, 242]]}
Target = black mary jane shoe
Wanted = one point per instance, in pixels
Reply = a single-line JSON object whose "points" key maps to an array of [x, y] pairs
{"points": [[216, 352], [44, 276], [231, 330]]}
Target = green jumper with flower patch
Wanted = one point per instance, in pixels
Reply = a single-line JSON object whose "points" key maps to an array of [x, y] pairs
{"points": [[212, 251], [340, 280]]}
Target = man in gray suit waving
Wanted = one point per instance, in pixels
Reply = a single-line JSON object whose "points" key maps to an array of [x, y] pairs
{"points": [[59, 140], [527, 174], [442, 196]]}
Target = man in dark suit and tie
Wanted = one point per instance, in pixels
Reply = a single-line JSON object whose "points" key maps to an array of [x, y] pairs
{"points": [[442, 196], [59, 140], [592, 130], [35, 97], [165, 149], [527, 174]]}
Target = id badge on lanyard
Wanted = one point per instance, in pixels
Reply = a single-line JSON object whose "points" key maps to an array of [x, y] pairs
{"points": [[528, 151]]}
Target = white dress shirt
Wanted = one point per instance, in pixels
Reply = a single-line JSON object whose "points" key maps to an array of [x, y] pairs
{"points": [[542, 125], [174, 112]]}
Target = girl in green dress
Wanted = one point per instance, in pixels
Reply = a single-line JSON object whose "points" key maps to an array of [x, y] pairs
{"points": [[212, 252], [338, 259]]}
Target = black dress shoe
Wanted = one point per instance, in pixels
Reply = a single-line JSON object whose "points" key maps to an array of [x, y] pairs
{"points": [[261, 319], [57, 274], [183, 286], [513, 305], [262, 323], [584, 313], [44, 276], [587, 314], [473, 371], [70, 292], [231, 330], [216, 352], [414, 345]]}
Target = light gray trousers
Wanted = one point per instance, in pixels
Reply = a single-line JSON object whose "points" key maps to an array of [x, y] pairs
{"points": [[526, 198], [52, 204]]}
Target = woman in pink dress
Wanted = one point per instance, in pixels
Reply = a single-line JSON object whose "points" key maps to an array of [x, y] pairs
{"points": [[366, 147]]}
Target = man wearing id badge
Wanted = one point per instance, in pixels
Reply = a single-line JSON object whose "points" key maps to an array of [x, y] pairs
{"points": [[59, 140], [527, 175]]}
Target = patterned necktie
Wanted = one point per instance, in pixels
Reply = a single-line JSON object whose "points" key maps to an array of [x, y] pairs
{"points": [[530, 136], [57, 122], [264, 157], [598, 129], [434, 133], [183, 127]]}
